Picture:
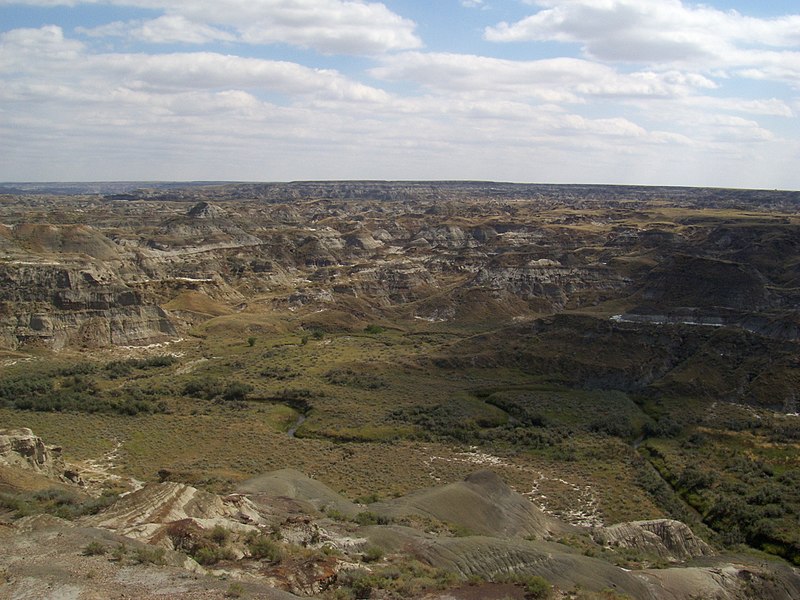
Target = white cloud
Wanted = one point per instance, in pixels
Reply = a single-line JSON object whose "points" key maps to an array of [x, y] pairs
{"points": [[667, 32], [330, 26], [168, 29], [34, 52], [20, 47], [550, 80], [771, 107]]}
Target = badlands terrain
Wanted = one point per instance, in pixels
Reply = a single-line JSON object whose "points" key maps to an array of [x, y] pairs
{"points": [[398, 390]]}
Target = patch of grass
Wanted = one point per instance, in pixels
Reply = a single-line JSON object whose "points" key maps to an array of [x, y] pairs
{"points": [[346, 376], [80, 392], [731, 472], [61, 502], [407, 579]]}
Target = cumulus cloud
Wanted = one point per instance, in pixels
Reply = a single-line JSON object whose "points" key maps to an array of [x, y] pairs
{"points": [[32, 52], [20, 47], [330, 26], [551, 80], [666, 32], [167, 29]]}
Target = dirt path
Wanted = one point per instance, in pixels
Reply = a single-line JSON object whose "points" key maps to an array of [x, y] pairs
{"points": [[98, 475]]}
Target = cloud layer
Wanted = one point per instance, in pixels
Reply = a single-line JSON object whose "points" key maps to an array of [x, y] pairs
{"points": [[330, 26], [643, 92]]}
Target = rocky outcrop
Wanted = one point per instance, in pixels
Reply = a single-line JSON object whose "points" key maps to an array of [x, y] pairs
{"points": [[205, 210], [665, 539], [56, 304], [21, 448], [547, 284], [144, 514], [134, 326]]}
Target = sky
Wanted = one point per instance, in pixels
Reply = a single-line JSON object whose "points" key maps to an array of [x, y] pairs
{"points": [[650, 92]]}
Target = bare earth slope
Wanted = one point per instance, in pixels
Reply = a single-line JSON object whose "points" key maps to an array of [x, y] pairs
{"points": [[138, 545]]}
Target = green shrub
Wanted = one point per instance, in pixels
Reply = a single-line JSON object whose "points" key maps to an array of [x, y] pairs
{"points": [[206, 555], [219, 535], [370, 518], [279, 373], [206, 388], [537, 588], [345, 376], [372, 554], [235, 590], [94, 549], [81, 368], [119, 552], [262, 547], [148, 555], [359, 582], [236, 391], [122, 368]]}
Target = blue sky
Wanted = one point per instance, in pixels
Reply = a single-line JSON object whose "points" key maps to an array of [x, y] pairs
{"points": [[661, 92]]}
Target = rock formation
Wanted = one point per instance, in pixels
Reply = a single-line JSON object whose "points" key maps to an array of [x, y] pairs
{"points": [[503, 250], [22, 449], [665, 539]]}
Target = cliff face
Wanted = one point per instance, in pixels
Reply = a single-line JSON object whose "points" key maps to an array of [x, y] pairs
{"points": [[549, 285], [61, 304]]}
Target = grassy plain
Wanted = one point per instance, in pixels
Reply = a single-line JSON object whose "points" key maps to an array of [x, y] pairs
{"points": [[379, 420]]}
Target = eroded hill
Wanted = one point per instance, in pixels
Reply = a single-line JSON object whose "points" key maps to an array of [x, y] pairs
{"points": [[625, 359], [283, 536]]}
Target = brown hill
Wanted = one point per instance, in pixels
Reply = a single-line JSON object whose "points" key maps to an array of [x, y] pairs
{"points": [[482, 504]]}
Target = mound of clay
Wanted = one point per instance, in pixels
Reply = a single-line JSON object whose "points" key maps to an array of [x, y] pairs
{"points": [[482, 504], [65, 239], [288, 483], [205, 210]]}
